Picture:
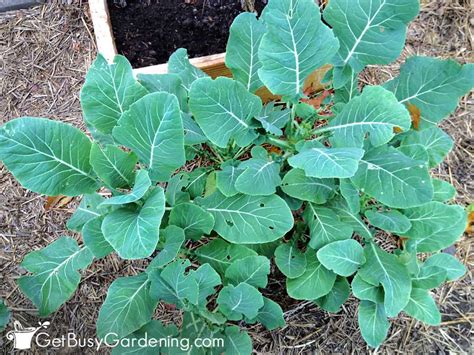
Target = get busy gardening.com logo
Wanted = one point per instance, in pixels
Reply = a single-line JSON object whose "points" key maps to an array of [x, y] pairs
{"points": [[23, 338]]}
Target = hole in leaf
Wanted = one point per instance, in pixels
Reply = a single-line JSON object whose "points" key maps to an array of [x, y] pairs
{"points": [[271, 227], [262, 205], [229, 223]]}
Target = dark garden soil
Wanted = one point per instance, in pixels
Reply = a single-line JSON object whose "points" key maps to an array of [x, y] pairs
{"points": [[147, 32]]}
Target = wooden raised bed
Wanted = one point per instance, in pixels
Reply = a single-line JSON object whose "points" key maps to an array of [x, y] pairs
{"points": [[213, 65]]}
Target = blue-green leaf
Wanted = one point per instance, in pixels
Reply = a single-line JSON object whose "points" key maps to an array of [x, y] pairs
{"points": [[290, 260], [47, 157], [384, 268], [127, 307], [55, 274], [241, 300], [370, 31], [296, 184], [390, 221], [315, 282], [153, 129], [343, 257], [134, 232], [393, 178], [141, 186], [376, 112], [434, 226], [114, 166], [224, 109], [373, 322], [108, 92], [245, 219], [421, 306], [433, 85], [295, 44], [241, 57]]}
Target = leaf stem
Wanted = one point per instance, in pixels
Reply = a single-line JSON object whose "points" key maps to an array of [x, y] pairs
{"points": [[279, 143]]}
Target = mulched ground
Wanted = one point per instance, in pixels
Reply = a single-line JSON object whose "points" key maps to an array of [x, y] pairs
{"points": [[44, 53]]}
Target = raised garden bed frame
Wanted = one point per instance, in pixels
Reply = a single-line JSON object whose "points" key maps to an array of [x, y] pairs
{"points": [[213, 65]]}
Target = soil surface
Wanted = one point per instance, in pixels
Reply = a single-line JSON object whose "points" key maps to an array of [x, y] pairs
{"points": [[147, 32]]}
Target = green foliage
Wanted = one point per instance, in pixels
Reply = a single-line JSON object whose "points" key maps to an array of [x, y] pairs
{"points": [[4, 315], [280, 182]]}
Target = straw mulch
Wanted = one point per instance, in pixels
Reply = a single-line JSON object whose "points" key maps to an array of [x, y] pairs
{"points": [[44, 53]]}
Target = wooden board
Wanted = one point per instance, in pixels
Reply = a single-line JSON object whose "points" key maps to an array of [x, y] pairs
{"points": [[213, 65]]}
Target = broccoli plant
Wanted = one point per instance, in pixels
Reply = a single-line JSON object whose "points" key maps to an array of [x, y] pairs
{"points": [[311, 188]]}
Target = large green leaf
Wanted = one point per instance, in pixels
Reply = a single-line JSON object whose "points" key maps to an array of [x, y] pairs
{"points": [[369, 31], [454, 268], [171, 240], [434, 226], [127, 307], [141, 186], [273, 118], [290, 260], [328, 162], [193, 134], [196, 182], [238, 342], [170, 83], [384, 268], [366, 291], [429, 277], [252, 270], [88, 209], [153, 129], [339, 294], [343, 257], [376, 112], [241, 57], [350, 194], [179, 64], [47, 157], [224, 109], [108, 92], [259, 176], [242, 299], [245, 219], [315, 282], [270, 315], [94, 239], [433, 140], [421, 306], [226, 178], [295, 44], [114, 166], [194, 220], [325, 226], [373, 322], [134, 231], [390, 221], [173, 285], [442, 190], [207, 279], [433, 85], [55, 274], [393, 178], [220, 254], [339, 206], [296, 184]]}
